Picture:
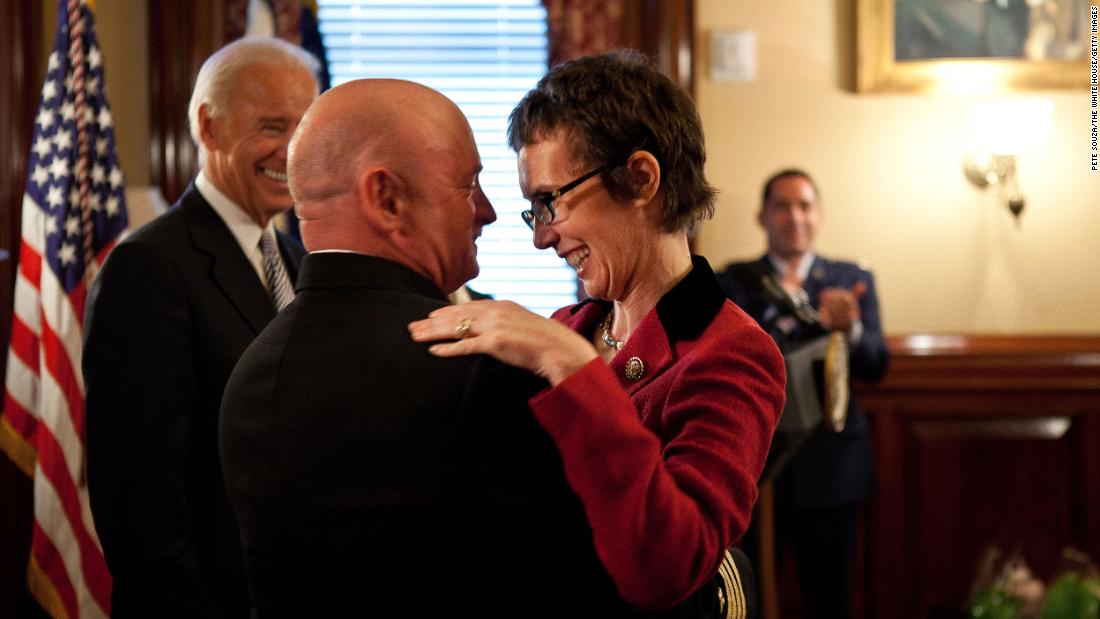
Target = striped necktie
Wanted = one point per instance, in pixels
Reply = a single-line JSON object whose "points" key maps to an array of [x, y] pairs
{"points": [[278, 282]]}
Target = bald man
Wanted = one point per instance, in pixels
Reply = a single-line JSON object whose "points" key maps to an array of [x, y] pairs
{"points": [[369, 477]]}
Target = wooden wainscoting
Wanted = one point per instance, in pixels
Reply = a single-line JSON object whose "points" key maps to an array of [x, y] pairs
{"points": [[979, 440]]}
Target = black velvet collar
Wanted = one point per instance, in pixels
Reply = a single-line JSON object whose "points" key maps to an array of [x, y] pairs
{"points": [[691, 305]]}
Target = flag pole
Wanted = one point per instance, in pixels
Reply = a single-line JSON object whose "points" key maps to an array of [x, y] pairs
{"points": [[76, 52]]}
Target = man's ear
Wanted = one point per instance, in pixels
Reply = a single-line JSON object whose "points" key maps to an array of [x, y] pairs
{"points": [[382, 198], [646, 173], [208, 128]]}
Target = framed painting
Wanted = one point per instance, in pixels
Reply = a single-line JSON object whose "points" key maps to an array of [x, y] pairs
{"points": [[975, 46]]}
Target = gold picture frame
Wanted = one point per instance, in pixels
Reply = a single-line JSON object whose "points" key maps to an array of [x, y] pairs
{"points": [[877, 69]]}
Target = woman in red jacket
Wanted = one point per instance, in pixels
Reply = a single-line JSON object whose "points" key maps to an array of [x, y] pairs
{"points": [[663, 395]]}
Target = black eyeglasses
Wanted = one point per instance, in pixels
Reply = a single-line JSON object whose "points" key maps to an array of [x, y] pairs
{"points": [[542, 205]]}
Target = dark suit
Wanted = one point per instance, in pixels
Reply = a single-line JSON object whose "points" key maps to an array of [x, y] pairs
{"points": [[817, 492], [371, 478], [173, 308]]}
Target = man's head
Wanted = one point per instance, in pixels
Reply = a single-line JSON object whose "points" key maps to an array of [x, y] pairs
{"points": [[389, 168], [790, 213], [610, 106], [248, 99]]}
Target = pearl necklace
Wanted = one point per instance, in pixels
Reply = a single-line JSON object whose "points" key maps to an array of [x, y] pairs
{"points": [[607, 339]]}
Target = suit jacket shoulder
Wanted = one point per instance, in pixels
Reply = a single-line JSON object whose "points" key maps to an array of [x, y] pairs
{"points": [[736, 281], [193, 223]]}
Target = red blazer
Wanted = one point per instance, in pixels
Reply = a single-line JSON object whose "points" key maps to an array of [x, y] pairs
{"points": [[666, 463]]}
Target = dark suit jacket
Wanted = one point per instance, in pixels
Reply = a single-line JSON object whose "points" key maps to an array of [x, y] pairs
{"points": [[173, 308], [371, 478], [831, 468]]}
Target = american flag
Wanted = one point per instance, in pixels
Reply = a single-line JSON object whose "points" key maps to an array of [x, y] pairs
{"points": [[74, 211]]}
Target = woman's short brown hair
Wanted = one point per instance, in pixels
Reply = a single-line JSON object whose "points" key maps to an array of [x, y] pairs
{"points": [[612, 105]]}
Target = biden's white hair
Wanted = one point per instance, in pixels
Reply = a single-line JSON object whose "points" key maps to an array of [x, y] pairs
{"points": [[223, 67]]}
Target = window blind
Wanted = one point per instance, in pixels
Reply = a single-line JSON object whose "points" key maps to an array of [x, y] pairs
{"points": [[484, 55]]}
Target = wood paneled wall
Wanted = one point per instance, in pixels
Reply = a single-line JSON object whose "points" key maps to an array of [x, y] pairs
{"points": [[665, 31], [21, 67], [979, 441], [182, 34]]}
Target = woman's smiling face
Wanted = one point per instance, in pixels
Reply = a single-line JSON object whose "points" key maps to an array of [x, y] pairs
{"points": [[596, 235]]}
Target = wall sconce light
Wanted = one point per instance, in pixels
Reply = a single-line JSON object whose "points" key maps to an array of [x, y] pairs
{"points": [[1001, 130], [988, 170]]}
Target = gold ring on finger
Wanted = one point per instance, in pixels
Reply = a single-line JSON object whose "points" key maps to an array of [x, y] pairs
{"points": [[463, 328]]}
